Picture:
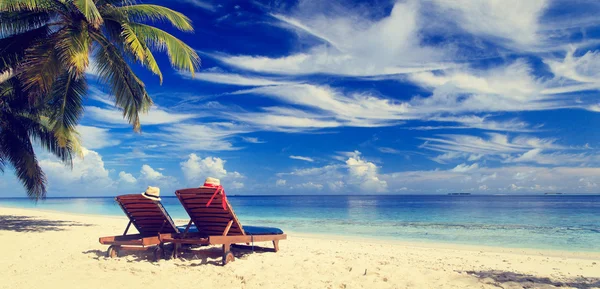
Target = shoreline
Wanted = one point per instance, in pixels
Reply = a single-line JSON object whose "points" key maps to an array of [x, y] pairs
{"points": [[354, 238]]}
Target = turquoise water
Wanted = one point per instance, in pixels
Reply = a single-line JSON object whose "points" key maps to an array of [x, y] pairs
{"points": [[564, 222]]}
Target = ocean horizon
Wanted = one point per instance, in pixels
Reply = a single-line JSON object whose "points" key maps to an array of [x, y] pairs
{"points": [[556, 222]]}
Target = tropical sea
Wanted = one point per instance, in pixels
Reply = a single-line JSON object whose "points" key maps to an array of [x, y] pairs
{"points": [[561, 222]]}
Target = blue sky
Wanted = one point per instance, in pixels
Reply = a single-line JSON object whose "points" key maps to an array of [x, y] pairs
{"points": [[343, 97]]}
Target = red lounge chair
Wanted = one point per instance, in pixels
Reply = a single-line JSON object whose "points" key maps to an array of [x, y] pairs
{"points": [[216, 223], [149, 218]]}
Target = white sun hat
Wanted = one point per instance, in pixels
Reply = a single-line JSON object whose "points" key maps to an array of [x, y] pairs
{"points": [[152, 193], [211, 182]]}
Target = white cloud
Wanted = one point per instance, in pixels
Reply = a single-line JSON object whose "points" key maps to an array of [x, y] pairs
{"points": [[335, 109], [252, 140], [207, 136], [522, 179], [233, 79], [317, 171], [127, 177], [501, 20], [555, 158], [465, 168], [285, 120], [237, 185], [88, 171], [309, 186], [207, 5], [365, 174], [307, 159], [95, 137], [148, 173], [354, 44], [574, 73], [154, 117], [196, 170], [475, 147], [280, 182]]}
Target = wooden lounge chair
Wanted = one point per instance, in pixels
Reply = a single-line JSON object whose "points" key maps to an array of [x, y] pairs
{"points": [[216, 224], [150, 219]]}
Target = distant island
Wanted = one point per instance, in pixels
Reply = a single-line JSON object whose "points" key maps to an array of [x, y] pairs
{"points": [[459, 194], [553, 193]]}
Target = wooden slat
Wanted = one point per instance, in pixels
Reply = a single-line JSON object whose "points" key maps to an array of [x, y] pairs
{"points": [[211, 219], [148, 217], [205, 210], [150, 211], [141, 218], [150, 224], [202, 202], [140, 206]]}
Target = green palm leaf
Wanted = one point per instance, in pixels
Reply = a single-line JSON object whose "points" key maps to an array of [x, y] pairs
{"points": [[90, 11], [19, 5], [14, 47], [16, 148], [140, 50], [128, 90], [73, 45], [180, 54], [40, 68], [20, 22], [148, 12], [65, 105]]}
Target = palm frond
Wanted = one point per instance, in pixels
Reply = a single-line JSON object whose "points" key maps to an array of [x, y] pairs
{"points": [[40, 68], [73, 45], [41, 131], [13, 47], [65, 105], [31, 5], [16, 148], [90, 11], [149, 12], [140, 50], [180, 54], [19, 22], [128, 90]]}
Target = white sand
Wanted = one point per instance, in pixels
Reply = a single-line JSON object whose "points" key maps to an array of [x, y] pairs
{"points": [[55, 250]]}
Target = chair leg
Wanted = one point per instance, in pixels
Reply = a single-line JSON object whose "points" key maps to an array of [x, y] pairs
{"points": [[227, 255], [175, 250], [276, 245]]}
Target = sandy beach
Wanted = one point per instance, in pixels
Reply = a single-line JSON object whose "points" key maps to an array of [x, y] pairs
{"points": [[56, 250]]}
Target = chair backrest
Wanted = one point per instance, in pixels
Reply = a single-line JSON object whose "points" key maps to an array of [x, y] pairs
{"points": [[149, 217], [211, 220]]}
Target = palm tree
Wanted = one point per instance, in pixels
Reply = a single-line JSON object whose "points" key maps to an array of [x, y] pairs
{"points": [[20, 127], [45, 50]]}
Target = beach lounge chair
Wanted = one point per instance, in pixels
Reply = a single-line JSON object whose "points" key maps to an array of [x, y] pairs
{"points": [[216, 223], [150, 219]]}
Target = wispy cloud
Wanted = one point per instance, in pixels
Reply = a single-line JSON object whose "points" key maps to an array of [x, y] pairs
{"points": [[354, 45], [306, 159], [252, 140], [95, 137], [154, 117], [205, 137], [233, 79], [207, 5], [512, 22]]}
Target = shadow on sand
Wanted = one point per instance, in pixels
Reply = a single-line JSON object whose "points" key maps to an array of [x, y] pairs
{"points": [[190, 254], [32, 224], [497, 278]]}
